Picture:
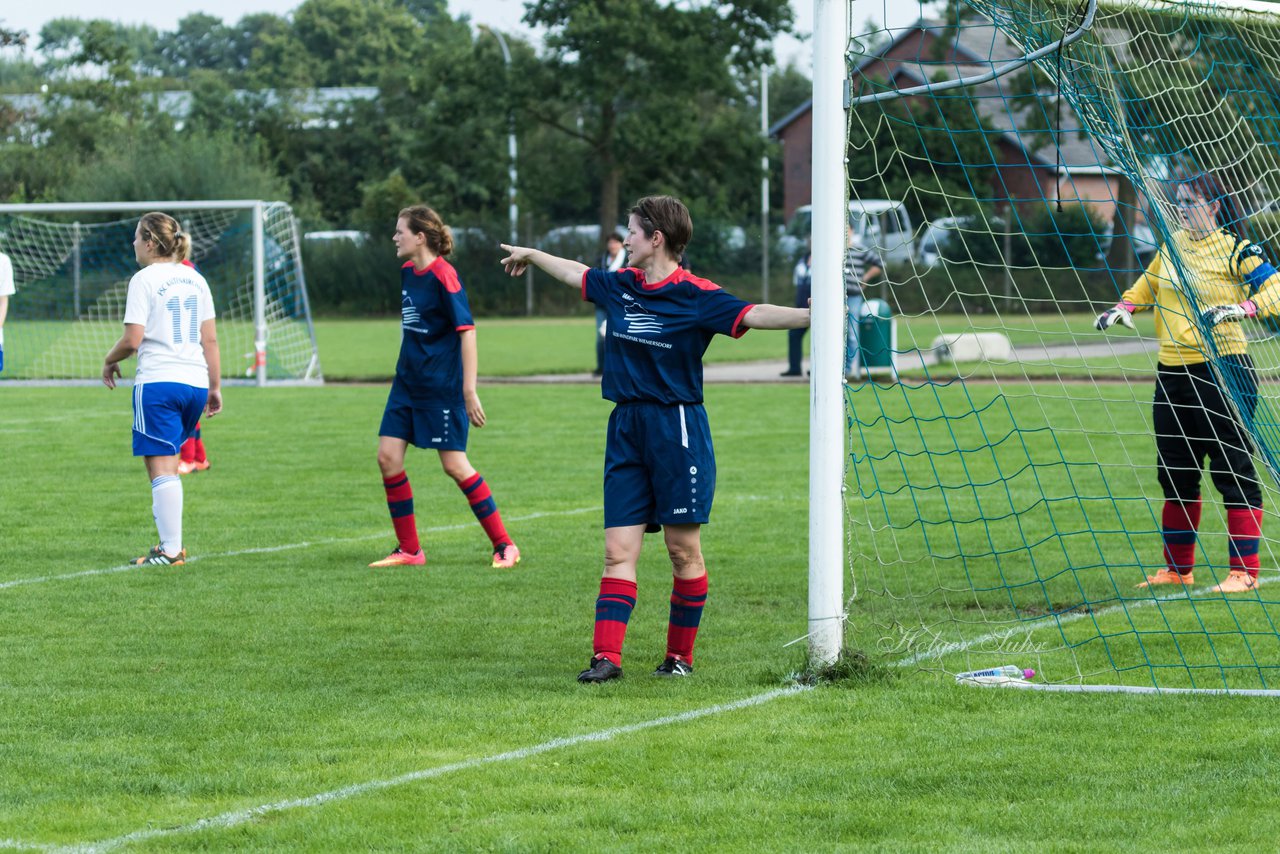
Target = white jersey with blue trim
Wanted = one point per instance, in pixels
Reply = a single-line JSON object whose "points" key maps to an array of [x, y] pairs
{"points": [[170, 301], [6, 276]]}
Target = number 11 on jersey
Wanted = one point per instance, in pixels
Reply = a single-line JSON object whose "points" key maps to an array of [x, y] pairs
{"points": [[191, 304]]}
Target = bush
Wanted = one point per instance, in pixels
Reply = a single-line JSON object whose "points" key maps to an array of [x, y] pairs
{"points": [[1071, 237], [188, 166], [349, 278], [978, 289], [361, 279]]}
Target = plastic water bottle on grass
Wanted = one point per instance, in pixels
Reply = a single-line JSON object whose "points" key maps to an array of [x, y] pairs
{"points": [[1004, 671]]}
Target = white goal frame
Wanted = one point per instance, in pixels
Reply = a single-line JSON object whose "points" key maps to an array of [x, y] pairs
{"points": [[827, 435]]}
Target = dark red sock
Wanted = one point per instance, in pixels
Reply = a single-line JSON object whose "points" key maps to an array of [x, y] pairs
{"points": [[613, 609], [485, 508], [199, 451], [188, 452], [1179, 523], [1244, 530], [688, 595], [400, 503]]}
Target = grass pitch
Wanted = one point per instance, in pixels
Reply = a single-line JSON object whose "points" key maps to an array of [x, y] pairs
{"points": [[276, 694]]}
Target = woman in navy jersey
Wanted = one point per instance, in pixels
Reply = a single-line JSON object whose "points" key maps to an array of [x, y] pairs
{"points": [[433, 399], [660, 468]]}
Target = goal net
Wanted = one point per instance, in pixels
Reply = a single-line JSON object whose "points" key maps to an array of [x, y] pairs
{"points": [[1003, 501], [72, 264]]}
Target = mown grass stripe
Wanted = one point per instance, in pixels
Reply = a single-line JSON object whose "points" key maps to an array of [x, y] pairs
{"points": [[110, 570], [238, 817]]}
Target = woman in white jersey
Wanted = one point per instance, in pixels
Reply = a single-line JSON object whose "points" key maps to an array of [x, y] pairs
{"points": [[169, 323]]}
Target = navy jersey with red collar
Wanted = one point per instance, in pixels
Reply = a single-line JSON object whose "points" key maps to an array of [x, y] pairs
{"points": [[656, 334], [434, 310]]}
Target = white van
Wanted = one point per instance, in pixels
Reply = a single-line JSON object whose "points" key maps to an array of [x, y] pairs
{"points": [[879, 224]]}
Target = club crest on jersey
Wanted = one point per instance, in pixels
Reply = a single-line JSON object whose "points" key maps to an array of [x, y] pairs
{"points": [[409, 311], [640, 319]]}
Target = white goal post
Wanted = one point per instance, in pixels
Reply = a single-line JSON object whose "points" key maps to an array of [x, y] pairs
{"points": [[832, 33], [1039, 513], [72, 262]]}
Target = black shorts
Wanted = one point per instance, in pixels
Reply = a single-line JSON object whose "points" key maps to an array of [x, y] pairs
{"points": [[1195, 419]]}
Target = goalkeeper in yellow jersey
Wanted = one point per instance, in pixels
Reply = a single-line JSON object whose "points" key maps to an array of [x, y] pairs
{"points": [[1206, 279]]}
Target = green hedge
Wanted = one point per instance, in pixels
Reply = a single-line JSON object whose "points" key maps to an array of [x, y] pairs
{"points": [[361, 279], [978, 289]]}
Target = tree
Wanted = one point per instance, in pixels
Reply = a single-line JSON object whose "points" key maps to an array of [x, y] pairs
{"points": [[352, 41], [176, 165], [12, 37], [19, 75], [935, 154], [248, 40], [789, 87], [627, 78], [87, 113], [72, 43], [200, 42]]}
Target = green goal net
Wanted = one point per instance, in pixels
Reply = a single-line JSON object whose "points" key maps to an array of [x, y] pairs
{"points": [[1002, 492]]}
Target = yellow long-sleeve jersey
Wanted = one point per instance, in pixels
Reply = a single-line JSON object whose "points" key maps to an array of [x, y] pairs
{"points": [[1219, 269]]}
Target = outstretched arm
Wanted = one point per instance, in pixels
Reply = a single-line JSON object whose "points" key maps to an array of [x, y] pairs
{"points": [[766, 316], [565, 270]]}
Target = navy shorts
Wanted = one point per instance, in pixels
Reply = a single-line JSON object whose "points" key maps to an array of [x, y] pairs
{"points": [[659, 465], [443, 428], [164, 415]]}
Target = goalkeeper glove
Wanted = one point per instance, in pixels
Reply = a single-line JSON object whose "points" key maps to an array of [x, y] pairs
{"points": [[1211, 317], [1122, 313]]}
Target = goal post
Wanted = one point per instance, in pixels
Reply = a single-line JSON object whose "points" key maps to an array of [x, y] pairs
{"points": [[73, 261], [1002, 499], [827, 336]]}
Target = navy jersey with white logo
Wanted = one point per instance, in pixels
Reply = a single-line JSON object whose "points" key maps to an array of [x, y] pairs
{"points": [[434, 310], [657, 333]]}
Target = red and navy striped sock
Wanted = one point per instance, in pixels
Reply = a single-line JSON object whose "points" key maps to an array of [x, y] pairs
{"points": [[688, 595], [400, 503], [1178, 524], [1244, 530], [485, 508], [613, 609]]}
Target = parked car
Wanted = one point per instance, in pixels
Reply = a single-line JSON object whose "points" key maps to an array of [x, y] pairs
{"points": [[350, 235], [468, 237], [960, 238], [879, 224], [1145, 244], [581, 242]]}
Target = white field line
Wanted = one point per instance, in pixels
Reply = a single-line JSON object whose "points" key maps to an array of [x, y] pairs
{"points": [[238, 817], [111, 570], [1139, 689]]}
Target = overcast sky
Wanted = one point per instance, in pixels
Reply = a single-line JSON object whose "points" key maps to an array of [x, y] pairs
{"points": [[500, 14]]}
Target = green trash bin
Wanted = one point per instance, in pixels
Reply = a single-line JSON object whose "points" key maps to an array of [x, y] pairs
{"points": [[877, 337]]}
